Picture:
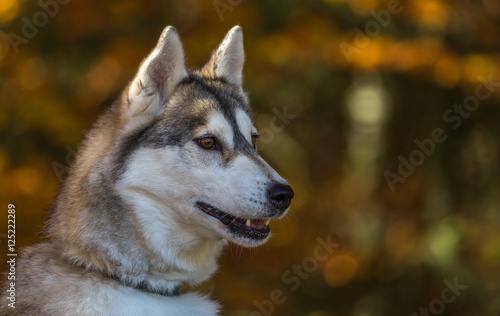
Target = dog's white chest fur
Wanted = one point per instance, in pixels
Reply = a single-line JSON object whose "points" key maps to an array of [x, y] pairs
{"points": [[127, 301]]}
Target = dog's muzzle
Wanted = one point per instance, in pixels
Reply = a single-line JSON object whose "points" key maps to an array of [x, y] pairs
{"points": [[279, 198]]}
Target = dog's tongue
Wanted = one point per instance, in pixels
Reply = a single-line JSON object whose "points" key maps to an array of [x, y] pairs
{"points": [[257, 223]]}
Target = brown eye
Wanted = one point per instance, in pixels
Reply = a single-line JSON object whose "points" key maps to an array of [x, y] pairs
{"points": [[254, 140], [207, 142]]}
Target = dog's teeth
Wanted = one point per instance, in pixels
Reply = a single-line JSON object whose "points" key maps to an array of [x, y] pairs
{"points": [[267, 222], [248, 222]]}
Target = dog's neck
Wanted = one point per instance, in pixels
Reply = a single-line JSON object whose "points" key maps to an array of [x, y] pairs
{"points": [[165, 277], [146, 255]]}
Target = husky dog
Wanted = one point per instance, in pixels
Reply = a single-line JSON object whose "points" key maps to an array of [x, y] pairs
{"points": [[163, 180]]}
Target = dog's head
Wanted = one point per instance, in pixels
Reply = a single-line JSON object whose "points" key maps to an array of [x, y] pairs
{"points": [[194, 162]]}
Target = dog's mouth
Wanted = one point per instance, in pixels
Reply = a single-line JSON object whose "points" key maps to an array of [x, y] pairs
{"points": [[256, 229]]}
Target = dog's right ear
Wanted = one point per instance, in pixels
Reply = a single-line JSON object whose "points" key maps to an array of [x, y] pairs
{"points": [[158, 76]]}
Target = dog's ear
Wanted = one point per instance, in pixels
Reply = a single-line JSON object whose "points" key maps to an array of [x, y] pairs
{"points": [[158, 75], [228, 59]]}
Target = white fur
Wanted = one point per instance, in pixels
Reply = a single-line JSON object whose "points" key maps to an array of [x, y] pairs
{"points": [[88, 298], [245, 125]]}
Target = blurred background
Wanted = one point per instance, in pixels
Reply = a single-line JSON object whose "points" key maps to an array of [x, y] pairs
{"points": [[383, 115]]}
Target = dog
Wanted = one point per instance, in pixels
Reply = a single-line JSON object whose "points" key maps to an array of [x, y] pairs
{"points": [[164, 179]]}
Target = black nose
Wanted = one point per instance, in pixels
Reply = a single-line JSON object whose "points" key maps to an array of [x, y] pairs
{"points": [[280, 195]]}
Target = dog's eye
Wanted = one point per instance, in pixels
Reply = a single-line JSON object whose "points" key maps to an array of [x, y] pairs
{"points": [[254, 140], [207, 142]]}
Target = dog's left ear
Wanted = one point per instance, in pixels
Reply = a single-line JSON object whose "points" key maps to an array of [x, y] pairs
{"points": [[158, 76], [227, 60]]}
